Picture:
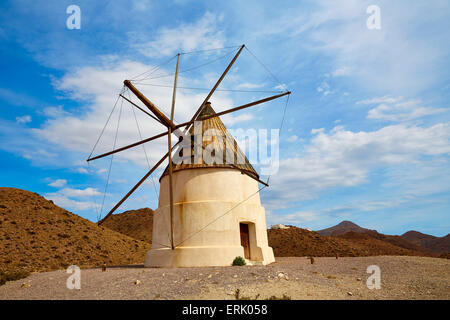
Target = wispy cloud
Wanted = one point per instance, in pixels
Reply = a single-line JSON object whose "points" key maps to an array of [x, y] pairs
{"points": [[23, 119], [203, 33], [399, 109], [58, 183]]}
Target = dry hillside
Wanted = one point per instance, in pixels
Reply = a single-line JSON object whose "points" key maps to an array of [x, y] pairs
{"points": [[411, 240], [285, 242], [300, 242], [137, 224], [37, 235], [432, 243], [341, 228]]}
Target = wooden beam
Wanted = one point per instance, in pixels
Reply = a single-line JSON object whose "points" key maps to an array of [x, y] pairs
{"points": [[251, 104], [134, 104], [216, 85], [164, 120], [189, 123], [170, 153], [136, 186], [128, 146]]}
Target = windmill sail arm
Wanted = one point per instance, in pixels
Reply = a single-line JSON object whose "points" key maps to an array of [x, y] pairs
{"points": [[128, 146], [179, 132], [136, 186], [217, 83], [134, 104], [251, 104], [162, 118]]}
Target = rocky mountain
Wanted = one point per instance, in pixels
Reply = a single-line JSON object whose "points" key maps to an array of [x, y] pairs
{"points": [[341, 228], [411, 240], [439, 245], [301, 242]]}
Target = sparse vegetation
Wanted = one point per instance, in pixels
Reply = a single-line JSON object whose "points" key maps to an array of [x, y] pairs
{"points": [[50, 238], [239, 261], [12, 276], [284, 297]]}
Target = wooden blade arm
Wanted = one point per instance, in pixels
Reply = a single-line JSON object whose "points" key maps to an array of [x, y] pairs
{"points": [[164, 120], [129, 146], [189, 123], [135, 187], [217, 83], [251, 104], [134, 104]]}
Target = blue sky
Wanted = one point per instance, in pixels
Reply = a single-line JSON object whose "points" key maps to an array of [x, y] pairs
{"points": [[367, 130]]}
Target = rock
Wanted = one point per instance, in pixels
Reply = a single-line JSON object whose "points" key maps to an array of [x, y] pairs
{"points": [[25, 285], [235, 276], [137, 282], [349, 293], [358, 279], [210, 276]]}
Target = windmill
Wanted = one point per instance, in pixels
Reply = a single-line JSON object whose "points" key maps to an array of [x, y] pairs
{"points": [[208, 213]]}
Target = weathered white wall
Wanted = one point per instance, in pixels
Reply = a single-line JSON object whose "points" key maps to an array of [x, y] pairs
{"points": [[206, 220]]}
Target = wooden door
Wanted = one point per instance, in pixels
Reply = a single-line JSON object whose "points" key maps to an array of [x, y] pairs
{"points": [[245, 239]]}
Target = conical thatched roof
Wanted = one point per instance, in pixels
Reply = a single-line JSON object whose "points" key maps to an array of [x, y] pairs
{"points": [[229, 147]]}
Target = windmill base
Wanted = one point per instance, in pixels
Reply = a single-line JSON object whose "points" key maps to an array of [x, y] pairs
{"points": [[202, 256]]}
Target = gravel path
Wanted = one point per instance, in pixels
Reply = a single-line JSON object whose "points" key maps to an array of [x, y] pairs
{"points": [[296, 278]]}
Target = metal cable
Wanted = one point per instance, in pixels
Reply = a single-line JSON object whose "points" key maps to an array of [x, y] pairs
{"points": [[153, 70], [143, 146], [245, 200], [107, 121], [112, 156]]}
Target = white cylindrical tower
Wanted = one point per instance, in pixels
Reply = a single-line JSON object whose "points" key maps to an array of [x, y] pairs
{"points": [[217, 214]]}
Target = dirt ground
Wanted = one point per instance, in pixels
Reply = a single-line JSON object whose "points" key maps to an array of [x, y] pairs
{"points": [[292, 277]]}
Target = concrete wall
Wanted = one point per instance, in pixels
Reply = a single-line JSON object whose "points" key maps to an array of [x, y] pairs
{"points": [[207, 211]]}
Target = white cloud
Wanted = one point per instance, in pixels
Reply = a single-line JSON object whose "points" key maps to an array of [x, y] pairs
{"points": [[69, 198], [77, 193], [58, 183], [82, 170], [292, 138], [70, 204], [344, 71], [98, 87], [324, 88], [248, 85], [299, 218], [141, 5], [344, 158], [202, 34], [399, 109], [230, 120], [23, 119], [54, 112], [395, 58]]}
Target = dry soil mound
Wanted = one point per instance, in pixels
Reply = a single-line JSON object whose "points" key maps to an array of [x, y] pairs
{"points": [[137, 224], [300, 242], [37, 235]]}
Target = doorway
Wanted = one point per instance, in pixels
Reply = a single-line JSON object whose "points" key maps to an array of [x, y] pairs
{"points": [[245, 239]]}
